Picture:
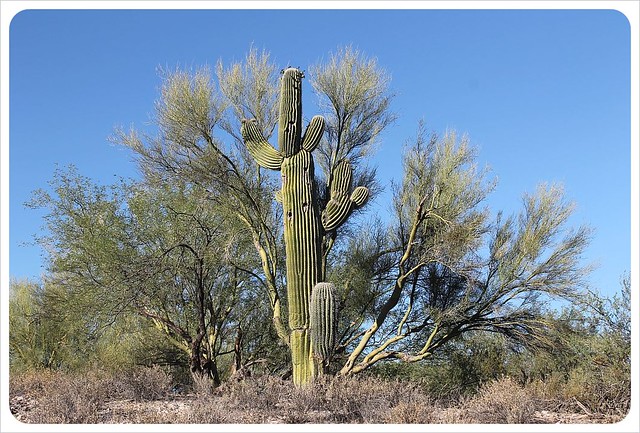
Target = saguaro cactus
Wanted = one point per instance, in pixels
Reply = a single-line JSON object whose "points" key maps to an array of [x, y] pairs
{"points": [[304, 227]]}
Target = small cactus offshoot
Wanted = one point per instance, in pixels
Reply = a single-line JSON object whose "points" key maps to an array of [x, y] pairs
{"points": [[323, 315]]}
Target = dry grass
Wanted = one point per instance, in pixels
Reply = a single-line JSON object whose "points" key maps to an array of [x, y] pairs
{"points": [[270, 400], [80, 398], [501, 402], [144, 396]]}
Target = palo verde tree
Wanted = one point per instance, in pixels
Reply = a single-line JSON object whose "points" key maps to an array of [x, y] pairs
{"points": [[432, 280], [189, 113], [158, 251]]}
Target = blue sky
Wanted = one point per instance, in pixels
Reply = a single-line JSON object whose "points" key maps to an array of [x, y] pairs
{"points": [[544, 94]]}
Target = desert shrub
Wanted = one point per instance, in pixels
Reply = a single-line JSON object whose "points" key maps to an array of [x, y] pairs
{"points": [[30, 383], [374, 400], [71, 399], [201, 385], [265, 399], [419, 409], [144, 396], [501, 402], [458, 370], [78, 398], [601, 389], [262, 391], [143, 383]]}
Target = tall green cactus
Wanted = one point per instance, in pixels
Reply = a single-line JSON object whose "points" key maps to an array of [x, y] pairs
{"points": [[304, 223]]}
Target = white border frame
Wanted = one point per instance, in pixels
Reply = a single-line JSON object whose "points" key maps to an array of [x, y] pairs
{"points": [[10, 8]]}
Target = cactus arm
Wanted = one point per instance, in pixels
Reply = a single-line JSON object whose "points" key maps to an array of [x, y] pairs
{"points": [[342, 176], [359, 196], [264, 154], [313, 134], [338, 207], [335, 214], [341, 204]]}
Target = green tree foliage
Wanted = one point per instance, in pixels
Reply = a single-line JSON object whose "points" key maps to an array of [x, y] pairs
{"points": [[355, 100], [159, 251], [52, 327], [189, 114], [461, 367], [34, 341], [441, 286], [591, 358]]}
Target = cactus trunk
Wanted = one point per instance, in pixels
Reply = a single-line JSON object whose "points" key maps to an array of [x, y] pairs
{"points": [[302, 239]]}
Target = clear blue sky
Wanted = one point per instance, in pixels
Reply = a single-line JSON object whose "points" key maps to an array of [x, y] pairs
{"points": [[545, 95]]}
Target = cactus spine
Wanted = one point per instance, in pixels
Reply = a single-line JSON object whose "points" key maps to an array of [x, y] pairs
{"points": [[304, 225]]}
